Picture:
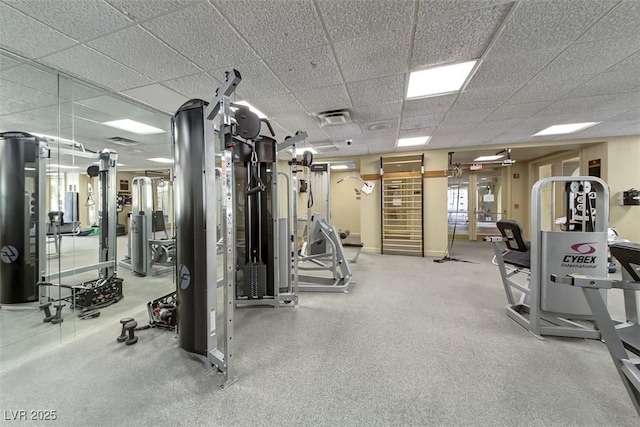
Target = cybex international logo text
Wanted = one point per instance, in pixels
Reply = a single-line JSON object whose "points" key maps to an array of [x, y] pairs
{"points": [[581, 255]]}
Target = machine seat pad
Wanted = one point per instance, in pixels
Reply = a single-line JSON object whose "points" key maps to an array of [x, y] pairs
{"points": [[517, 258]]}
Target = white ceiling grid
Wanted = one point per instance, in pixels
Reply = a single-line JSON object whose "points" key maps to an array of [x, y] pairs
{"points": [[541, 62]]}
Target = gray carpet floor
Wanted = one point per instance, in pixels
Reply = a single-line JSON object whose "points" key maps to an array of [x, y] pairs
{"points": [[414, 343]]}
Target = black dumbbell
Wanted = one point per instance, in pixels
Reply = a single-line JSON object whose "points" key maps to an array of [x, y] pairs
{"points": [[58, 317], [123, 336], [130, 327], [47, 312]]}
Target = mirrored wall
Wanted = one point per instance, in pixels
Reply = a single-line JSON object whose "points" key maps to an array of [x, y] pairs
{"points": [[80, 165]]}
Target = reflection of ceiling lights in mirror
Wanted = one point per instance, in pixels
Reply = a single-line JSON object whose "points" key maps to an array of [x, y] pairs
{"points": [[133, 126], [488, 158], [438, 80], [253, 109], [566, 128], [62, 166], [161, 160], [29, 169], [411, 142], [54, 138], [339, 167]]}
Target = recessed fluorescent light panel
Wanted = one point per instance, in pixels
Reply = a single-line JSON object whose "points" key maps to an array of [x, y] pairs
{"points": [[488, 158], [133, 127], [300, 150], [62, 166], [564, 129], [438, 80], [251, 108], [161, 160], [413, 142], [339, 167]]}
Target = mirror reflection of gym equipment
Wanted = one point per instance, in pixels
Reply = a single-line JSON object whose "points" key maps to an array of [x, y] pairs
{"points": [[147, 254]]}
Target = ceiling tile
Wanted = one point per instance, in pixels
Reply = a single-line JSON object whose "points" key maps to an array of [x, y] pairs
{"points": [[515, 69], [210, 41], [119, 107], [30, 96], [434, 104], [307, 69], [545, 87], [158, 96], [376, 139], [609, 83], [9, 106], [455, 38], [379, 126], [343, 132], [574, 105], [279, 106], [347, 20], [630, 62], [92, 66], [74, 90], [376, 112], [466, 116], [413, 133], [480, 98], [448, 135], [275, 27], [633, 114], [27, 36], [487, 131], [422, 121], [374, 91], [323, 99], [316, 134], [7, 62], [27, 75], [81, 20], [546, 23], [201, 86], [621, 20], [517, 111], [376, 55], [138, 49], [258, 80], [299, 122], [144, 9], [627, 100], [428, 9], [579, 58]]}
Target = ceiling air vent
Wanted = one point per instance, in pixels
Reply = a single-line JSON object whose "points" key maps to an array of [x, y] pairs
{"points": [[122, 141], [334, 117]]}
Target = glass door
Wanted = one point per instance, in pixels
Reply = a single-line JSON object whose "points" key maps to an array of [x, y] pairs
{"points": [[488, 204]]}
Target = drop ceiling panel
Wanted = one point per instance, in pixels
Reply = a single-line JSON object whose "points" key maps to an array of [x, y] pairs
{"points": [[81, 20], [378, 90], [201, 34], [347, 20], [126, 110], [547, 88], [29, 96], [414, 133], [306, 69], [25, 35], [323, 99], [434, 104], [487, 131], [144, 9], [455, 38], [376, 55], [422, 121], [429, 9], [315, 134], [202, 86], [517, 111], [7, 62], [626, 100], [35, 78], [376, 112], [577, 58], [342, 132], [514, 69], [74, 90], [482, 98], [258, 80], [630, 62], [542, 24], [138, 49], [275, 27], [280, 106], [93, 66], [609, 83], [299, 122], [10, 106], [621, 20], [633, 115], [32, 120], [574, 105], [159, 96]]}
